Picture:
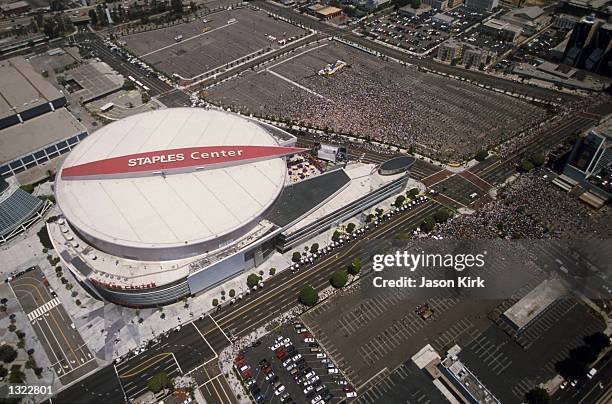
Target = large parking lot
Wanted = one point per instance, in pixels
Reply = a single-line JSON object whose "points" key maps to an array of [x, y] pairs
{"points": [[289, 365], [204, 45], [439, 116], [420, 33], [369, 333]]}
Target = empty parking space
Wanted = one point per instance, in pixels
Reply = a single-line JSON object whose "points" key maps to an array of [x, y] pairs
{"points": [[206, 44], [69, 356]]}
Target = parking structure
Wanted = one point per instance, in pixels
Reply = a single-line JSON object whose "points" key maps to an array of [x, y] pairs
{"points": [[210, 43], [69, 356], [289, 365]]}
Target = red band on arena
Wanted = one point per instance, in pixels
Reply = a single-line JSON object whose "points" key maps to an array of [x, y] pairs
{"points": [[166, 161]]}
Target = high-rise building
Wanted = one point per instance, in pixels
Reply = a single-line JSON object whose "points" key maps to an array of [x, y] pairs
{"points": [[589, 46]]}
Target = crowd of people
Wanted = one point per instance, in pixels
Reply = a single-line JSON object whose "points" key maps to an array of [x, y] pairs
{"points": [[531, 208], [440, 117]]}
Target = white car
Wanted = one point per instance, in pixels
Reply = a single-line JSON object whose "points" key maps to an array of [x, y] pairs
{"points": [[321, 355], [276, 346], [308, 389], [309, 339], [290, 367], [351, 394], [316, 399], [279, 390], [332, 371], [297, 357], [313, 380], [310, 374]]}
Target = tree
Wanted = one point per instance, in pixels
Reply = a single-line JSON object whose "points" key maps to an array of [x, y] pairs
{"points": [[272, 271], [129, 85], [428, 224], [338, 279], [253, 280], [296, 257], [525, 166], [413, 192], [350, 227], [159, 382], [309, 296], [597, 341], [232, 293], [399, 201], [336, 236], [481, 155], [538, 160], [7, 353], [176, 6], [354, 267], [145, 97], [442, 215], [314, 248], [16, 376], [537, 395], [215, 302], [45, 240]]}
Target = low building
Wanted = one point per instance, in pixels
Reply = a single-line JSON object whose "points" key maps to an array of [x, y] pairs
{"points": [[25, 94], [564, 21], [19, 210], [373, 4], [16, 8], [487, 5], [473, 56], [501, 30], [450, 50], [454, 3], [329, 12], [37, 141], [530, 19], [443, 19], [534, 303], [441, 5], [409, 11]]}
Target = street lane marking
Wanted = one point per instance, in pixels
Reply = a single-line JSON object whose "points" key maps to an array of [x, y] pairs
{"points": [[139, 368], [43, 309]]}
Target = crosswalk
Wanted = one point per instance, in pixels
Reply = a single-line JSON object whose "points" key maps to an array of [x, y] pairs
{"points": [[43, 309]]}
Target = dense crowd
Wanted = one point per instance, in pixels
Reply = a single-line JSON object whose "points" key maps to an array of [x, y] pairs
{"points": [[440, 117], [531, 208]]}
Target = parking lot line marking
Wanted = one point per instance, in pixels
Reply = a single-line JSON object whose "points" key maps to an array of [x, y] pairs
{"points": [[137, 369], [292, 57], [183, 41]]}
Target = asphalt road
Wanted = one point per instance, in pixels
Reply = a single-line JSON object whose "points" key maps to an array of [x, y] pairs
{"points": [[589, 390]]}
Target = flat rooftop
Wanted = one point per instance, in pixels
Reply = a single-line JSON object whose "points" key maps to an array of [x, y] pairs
{"points": [[21, 88], [535, 302], [36, 133], [97, 79], [363, 180], [298, 199]]}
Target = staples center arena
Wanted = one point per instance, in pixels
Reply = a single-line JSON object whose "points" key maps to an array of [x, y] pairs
{"points": [[169, 203]]}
